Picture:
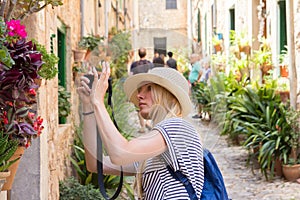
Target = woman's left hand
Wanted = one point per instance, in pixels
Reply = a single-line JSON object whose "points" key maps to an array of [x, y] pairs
{"points": [[100, 85]]}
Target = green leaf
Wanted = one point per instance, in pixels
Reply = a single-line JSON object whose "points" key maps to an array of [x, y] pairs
{"points": [[22, 112]]}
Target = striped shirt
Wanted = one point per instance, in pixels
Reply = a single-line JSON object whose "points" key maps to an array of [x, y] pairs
{"points": [[184, 153]]}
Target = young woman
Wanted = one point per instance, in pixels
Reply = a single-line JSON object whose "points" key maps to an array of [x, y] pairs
{"points": [[162, 96]]}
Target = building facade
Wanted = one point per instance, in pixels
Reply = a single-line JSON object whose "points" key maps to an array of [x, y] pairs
{"points": [[258, 21], [161, 26]]}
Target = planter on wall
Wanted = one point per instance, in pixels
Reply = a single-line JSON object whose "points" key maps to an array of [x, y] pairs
{"points": [[265, 68], [79, 55], [3, 177], [13, 169], [217, 47], [284, 71], [246, 49]]}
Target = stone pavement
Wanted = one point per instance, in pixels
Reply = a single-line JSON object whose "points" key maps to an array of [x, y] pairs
{"points": [[242, 182]]}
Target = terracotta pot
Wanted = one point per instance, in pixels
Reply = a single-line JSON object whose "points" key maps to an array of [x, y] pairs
{"points": [[87, 55], [246, 49], [13, 168], [79, 55], [278, 167], [265, 68], [217, 47], [3, 177], [284, 71], [291, 172], [284, 96]]}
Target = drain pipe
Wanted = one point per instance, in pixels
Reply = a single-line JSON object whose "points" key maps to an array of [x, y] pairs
{"points": [[291, 52], [189, 25], [107, 4], [82, 18]]}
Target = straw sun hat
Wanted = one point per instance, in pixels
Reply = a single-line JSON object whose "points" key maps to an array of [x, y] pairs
{"points": [[168, 78]]}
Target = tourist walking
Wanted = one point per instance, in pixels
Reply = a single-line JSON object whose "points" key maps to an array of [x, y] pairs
{"points": [[194, 78]]}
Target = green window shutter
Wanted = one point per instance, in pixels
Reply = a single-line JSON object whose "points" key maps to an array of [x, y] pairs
{"points": [[61, 51], [282, 25]]}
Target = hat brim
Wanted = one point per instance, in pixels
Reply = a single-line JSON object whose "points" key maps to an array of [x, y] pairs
{"points": [[132, 83]]}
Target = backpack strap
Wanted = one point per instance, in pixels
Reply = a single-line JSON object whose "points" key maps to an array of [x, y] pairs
{"points": [[179, 176], [100, 153]]}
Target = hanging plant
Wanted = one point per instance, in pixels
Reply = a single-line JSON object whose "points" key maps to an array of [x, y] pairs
{"points": [[48, 69]]}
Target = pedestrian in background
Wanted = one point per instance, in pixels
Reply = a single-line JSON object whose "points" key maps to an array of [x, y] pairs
{"points": [[207, 70], [141, 66], [194, 78], [171, 62], [158, 62], [156, 55]]}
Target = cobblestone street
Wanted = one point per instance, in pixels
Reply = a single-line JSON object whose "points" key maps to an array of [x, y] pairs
{"points": [[241, 181]]}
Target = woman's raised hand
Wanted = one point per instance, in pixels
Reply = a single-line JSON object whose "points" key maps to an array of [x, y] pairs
{"points": [[100, 85], [84, 90]]}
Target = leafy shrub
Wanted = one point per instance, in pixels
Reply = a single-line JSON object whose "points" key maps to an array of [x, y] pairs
{"points": [[71, 189], [64, 105], [48, 69]]}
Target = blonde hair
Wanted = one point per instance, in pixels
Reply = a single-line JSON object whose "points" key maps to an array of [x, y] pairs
{"points": [[165, 105]]}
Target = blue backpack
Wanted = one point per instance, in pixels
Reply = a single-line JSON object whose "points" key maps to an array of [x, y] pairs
{"points": [[213, 188]]}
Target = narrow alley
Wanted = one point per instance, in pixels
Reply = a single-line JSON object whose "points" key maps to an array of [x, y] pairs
{"points": [[241, 181]]}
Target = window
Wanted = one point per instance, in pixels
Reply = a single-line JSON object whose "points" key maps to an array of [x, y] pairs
{"points": [[160, 45], [232, 18], [171, 4]]}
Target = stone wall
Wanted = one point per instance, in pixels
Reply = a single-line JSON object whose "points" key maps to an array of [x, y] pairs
{"points": [[46, 161]]}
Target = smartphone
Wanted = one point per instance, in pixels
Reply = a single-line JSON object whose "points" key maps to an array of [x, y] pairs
{"points": [[91, 78]]}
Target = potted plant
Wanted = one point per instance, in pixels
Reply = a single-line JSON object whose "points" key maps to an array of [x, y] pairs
{"points": [[90, 43], [17, 86], [18, 90], [290, 155], [283, 63], [79, 54], [217, 43], [283, 89], [7, 150], [243, 43], [263, 58]]}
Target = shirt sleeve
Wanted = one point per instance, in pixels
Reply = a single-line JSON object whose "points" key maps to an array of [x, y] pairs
{"points": [[180, 138]]}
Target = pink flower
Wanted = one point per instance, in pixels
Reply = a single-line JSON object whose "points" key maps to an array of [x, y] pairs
{"points": [[16, 29]]}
